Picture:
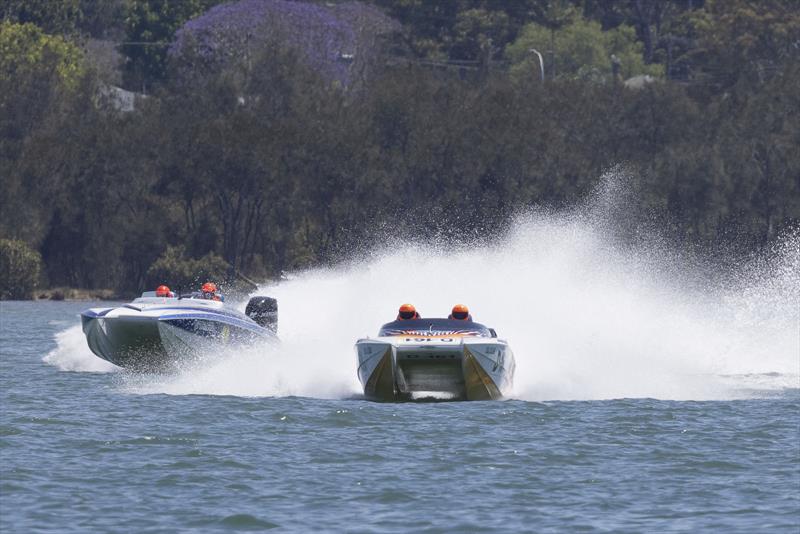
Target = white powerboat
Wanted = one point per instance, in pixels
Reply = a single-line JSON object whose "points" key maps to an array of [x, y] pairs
{"points": [[153, 332], [446, 358]]}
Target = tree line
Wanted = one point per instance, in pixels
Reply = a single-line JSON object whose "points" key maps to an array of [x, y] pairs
{"points": [[265, 162]]}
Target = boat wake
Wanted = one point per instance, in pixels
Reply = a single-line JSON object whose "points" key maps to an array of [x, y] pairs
{"points": [[586, 316], [72, 353]]}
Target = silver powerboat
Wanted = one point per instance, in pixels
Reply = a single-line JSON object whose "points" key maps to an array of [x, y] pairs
{"points": [[153, 332], [444, 358]]}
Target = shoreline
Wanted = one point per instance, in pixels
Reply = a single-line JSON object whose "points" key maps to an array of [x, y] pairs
{"points": [[62, 293], [77, 294]]}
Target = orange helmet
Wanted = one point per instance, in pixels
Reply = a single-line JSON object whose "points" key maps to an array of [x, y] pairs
{"points": [[407, 311], [209, 287], [460, 312], [162, 291]]}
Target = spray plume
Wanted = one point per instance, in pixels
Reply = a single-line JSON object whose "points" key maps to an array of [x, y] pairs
{"points": [[587, 316]]}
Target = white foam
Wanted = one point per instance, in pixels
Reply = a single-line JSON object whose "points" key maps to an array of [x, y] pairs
{"points": [[72, 354], [587, 318]]}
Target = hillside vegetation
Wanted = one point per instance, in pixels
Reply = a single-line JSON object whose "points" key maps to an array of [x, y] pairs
{"points": [[269, 135]]}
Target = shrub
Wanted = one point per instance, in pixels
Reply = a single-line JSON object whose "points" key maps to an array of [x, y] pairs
{"points": [[26, 51], [20, 267], [582, 51], [179, 272]]}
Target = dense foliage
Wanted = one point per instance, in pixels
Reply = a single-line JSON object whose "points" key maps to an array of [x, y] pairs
{"points": [[149, 29], [184, 273], [582, 50], [27, 53], [267, 158], [20, 268]]}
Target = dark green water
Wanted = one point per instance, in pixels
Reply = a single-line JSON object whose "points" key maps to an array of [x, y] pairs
{"points": [[82, 451]]}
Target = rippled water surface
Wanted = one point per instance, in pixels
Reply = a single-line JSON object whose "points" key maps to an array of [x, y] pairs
{"points": [[83, 451]]}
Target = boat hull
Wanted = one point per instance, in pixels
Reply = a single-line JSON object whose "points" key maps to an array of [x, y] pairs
{"points": [[391, 369], [145, 341]]}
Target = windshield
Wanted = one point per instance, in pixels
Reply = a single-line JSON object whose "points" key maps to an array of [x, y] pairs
{"points": [[434, 327]]}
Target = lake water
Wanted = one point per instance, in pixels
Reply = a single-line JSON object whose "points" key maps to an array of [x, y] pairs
{"points": [[105, 451], [651, 394]]}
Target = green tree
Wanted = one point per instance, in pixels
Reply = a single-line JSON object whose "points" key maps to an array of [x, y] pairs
{"points": [[739, 40], [150, 27], [97, 18], [52, 16], [459, 29], [477, 32], [40, 75], [104, 179], [232, 140], [582, 50], [179, 271], [427, 23], [26, 51], [759, 147], [20, 268]]}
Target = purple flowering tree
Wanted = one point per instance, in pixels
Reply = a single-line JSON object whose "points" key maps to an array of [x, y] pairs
{"points": [[340, 42]]}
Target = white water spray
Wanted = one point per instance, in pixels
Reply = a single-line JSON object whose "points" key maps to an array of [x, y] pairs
{"points": [[586, 317], [72, 354]]}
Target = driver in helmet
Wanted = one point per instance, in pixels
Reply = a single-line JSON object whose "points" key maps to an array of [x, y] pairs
{"points": [[406, 312], [163, 291], [460, 312], [209, 291]]}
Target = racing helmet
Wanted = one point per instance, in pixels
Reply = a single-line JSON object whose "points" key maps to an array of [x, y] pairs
{"points": [[209, 287], [460, 312], [162, 291], [407, 311]]}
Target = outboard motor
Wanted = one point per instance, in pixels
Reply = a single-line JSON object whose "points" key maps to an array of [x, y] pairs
{"points": [[264, 311]]}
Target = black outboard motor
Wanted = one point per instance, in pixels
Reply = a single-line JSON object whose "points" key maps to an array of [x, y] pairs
{"points": [[264, 311]]}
